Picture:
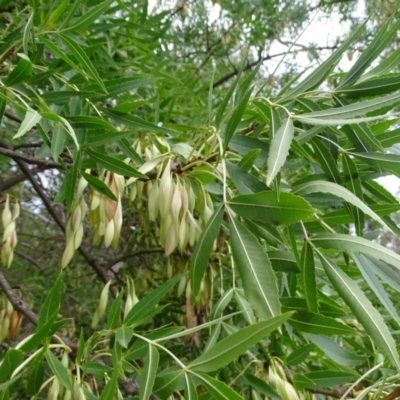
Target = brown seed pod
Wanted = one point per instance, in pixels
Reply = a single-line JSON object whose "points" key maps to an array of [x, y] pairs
{"points": [[15, 322]]}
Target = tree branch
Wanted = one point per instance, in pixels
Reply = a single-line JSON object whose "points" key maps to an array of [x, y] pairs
{"points": [[30, 160], [393, 395], [266, 58], [134, 254]]}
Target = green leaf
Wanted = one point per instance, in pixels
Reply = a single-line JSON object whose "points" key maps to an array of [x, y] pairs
{"points": [[386, 65], [329, 379], [265, 207], [201, 254], [99, 139], [322, 72], [362, 309], [99, 186], [27, 32], [58, 52], [32, 117], [22, 70], [58, 370], [51, 306], [136, 122], [301, 382], [339, 191], [63, 121], [279, 150], [88, 18], [36, 376], [343, 242], [364, 265], [307, 268], [114, 314], [297, 356], [258, 279], [123, 336], [10, 362], [126, 148], [87, 122], [373, 87], [261, 386], [233, 346], [384, 161], [110, 388], [190, 388], [114, 165], [140, 310], [334, 351], [244, 144], [235, 118], [371, 52], [58, 141], [346, 114], [149, 373], [166, 383], [217, 389], [244, 182], [83, 59], [247, 162], [305, 321]]}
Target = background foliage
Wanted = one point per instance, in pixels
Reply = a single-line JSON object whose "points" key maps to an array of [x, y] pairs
{"points": [[182, 216]]}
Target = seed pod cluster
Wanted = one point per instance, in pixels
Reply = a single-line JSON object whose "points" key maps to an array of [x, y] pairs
{"points": [[131, 298], [10, 320], [74, 229], [105, 214], [178, 203], [278, 380], [9, 235]]}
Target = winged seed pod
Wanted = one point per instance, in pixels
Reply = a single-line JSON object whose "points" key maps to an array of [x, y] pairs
{"points": [[101, 308], [9, 240]]}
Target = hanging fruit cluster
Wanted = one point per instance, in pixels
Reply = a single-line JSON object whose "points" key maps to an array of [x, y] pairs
{"points": [[9, 235], [10, 320]]}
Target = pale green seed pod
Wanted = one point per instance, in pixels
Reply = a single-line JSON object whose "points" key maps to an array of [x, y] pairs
{"points": [[6, 215], [171, 240], [117, 225], [68, 253], [16, 211], [78, 236], [54, 390], [183, 235], [8, 230], [108, 237], [132, 191], [182, 286], [76, 218], [101, 308], [176, 203], [153, 205], [184, 198], [95, 200], [166, 190]]}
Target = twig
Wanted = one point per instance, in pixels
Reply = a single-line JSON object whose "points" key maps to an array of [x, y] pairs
{"points": [[134, 254], [30, 160], [28, 258], [266, 58], [393, 395]]}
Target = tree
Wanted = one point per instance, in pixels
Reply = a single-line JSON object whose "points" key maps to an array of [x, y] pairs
{"points": [[177, 225]]}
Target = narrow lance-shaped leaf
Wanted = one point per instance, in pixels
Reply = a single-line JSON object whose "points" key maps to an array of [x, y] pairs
{"points": [[190, 388], [201, 254], [265, 207], [83, 59], [19, 73], [149, 373], [88, 18], [58, 370], [51, 306], [343, 242], [114, 165], [32, 117], [259, 282], [349, 112], [217, 389], [308, 277], [236, 344], [317, 76], [340, 191], [362, 309], [280, 145], [363, 264]]}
